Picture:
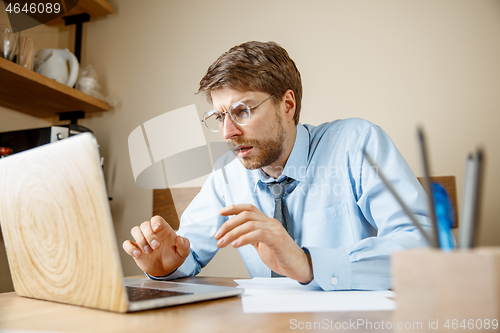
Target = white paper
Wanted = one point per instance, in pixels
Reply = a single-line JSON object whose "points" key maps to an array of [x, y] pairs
{"points": [[271, 295]]}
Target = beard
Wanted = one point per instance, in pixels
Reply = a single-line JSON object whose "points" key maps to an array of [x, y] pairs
{"points": [[265, 152]]}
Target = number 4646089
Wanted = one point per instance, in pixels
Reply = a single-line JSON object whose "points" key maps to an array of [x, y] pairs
{"points": [[472, 324], [34, 8]]}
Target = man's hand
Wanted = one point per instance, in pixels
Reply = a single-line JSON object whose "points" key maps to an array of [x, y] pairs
{"points": [[157, 249], [275, 247]]}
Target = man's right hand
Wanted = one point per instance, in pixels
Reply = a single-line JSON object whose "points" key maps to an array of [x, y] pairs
{"points": [[157, 249]]}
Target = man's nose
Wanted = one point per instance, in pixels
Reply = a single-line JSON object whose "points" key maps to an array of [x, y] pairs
{"points": [[229, 128]]}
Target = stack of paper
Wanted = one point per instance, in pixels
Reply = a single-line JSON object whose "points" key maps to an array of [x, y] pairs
{"points": [[264, 295]]}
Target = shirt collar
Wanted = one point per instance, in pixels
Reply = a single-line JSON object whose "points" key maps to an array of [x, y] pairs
{"points": [[296, 165]]}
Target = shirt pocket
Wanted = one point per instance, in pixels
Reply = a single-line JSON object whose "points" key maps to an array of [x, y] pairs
{"points": [[329, 227]]}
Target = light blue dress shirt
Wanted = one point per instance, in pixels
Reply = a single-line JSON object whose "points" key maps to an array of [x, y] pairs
{"points": [[341, 212]]}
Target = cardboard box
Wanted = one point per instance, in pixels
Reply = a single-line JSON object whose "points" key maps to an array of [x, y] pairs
{"points": [[456, 291]]}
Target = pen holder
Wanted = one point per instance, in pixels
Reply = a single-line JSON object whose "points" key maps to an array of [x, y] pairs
{"points": [[447, 291]]}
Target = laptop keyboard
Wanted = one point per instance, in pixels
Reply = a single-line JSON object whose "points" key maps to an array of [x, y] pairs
{"points": [[143, 294]]}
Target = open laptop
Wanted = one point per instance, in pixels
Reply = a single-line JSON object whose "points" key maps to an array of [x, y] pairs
{"points": [[59, 236]]}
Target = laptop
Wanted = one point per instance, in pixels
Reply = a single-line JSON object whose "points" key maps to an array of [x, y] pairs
{"points": [[59, 236]]}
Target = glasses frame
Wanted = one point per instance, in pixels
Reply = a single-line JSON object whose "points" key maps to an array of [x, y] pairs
{"points": [[223, 118]]}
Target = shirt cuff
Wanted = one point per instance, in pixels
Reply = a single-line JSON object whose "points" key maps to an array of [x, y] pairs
{"points": [[160, 278], [188, 268], [331, 269]]}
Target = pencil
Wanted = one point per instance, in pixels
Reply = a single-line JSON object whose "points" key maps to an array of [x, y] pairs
{"points": [[428, 187], [391, 189]]}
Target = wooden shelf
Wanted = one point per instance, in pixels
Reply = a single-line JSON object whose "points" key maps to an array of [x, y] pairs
{"points": [[94, 8], [26, 91]]}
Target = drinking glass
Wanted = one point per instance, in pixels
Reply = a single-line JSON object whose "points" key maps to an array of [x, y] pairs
{"points": [[9, 42]]}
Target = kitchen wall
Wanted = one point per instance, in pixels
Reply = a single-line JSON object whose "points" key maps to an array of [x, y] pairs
{"points": [[396, 63]]}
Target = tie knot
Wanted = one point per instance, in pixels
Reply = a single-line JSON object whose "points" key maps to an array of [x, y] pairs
{"points": [[278, 188]]}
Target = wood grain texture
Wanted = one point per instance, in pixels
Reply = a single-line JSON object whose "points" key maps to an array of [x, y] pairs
{"points": [[26, 91], [57, 226], [171, 203], [450, 184], [444, 285], [222, 315]]}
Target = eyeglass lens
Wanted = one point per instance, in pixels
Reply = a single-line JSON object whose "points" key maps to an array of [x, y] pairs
{"points": [[239, 113]]}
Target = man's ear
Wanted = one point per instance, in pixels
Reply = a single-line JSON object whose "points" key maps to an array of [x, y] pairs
{"points": [[288, 101]]}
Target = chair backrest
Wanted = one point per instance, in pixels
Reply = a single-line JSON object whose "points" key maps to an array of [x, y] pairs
{"points": [[171, 210], [449, 183]]}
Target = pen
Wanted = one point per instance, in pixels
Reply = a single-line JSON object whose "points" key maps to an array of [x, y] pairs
{"points": [[399, 199], [478, 182], [444, 216], [465, 242], [228, 188], [427, 187]]}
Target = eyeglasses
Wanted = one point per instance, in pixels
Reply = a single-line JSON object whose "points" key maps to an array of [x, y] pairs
{"points": [[239, 113]]}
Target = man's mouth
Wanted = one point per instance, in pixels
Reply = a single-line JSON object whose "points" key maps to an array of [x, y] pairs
{"points": [[243, 151]]}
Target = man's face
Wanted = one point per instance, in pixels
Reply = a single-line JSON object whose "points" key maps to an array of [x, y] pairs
{"points": [[260, 142]]}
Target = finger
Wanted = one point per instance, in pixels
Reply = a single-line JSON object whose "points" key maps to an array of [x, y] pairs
{"points": [[151, 237], [140, 239], [131, 249], [239, 219], [158, 224], [183, 246], [236, 209], [252, 237], [239, 231]]}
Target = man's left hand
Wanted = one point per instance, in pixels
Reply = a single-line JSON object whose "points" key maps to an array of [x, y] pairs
{"points": [[273, 244]]}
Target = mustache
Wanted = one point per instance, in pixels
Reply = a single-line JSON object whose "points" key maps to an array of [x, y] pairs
{"points": [[233, 143]]}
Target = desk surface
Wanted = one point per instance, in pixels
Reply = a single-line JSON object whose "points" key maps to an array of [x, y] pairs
{"points": [[223, 315]]}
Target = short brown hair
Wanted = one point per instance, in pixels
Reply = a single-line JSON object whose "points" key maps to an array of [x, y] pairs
{"points": [[255, 66]]}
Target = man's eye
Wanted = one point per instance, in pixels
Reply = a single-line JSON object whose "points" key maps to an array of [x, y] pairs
{"points": [[215, 116], [241, 112]]}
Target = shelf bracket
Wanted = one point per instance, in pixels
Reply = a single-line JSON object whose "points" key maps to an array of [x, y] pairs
{"points": [[78, 20], [72, 116]]}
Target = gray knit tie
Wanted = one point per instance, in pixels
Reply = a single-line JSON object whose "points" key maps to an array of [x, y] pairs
{"points": [[280, 209]]}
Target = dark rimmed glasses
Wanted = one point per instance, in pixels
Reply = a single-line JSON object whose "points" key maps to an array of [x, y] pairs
{"points": [[239, 113]]}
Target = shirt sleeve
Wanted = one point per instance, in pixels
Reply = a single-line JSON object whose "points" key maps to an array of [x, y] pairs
{"points": [[365, 265], [199, 222]]}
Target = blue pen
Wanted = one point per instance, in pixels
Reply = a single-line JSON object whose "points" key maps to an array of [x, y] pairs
{"points": [[444, 217]]}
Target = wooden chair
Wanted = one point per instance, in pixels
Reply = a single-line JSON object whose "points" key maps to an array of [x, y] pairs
{"points": [[163, 203], [449, 183]]}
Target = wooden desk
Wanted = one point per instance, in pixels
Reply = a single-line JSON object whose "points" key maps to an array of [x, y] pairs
{"points": [[223, 315]]}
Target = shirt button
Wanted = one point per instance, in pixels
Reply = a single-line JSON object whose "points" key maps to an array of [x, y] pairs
{"points": [[334, 281]]}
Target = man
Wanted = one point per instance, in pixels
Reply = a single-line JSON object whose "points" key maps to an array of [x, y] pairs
{"points": [[335, 224]]}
